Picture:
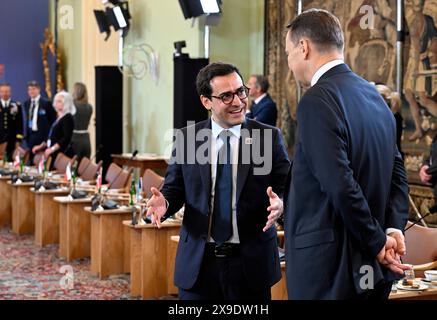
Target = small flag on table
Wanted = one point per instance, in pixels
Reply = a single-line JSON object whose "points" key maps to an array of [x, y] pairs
{"points": [[41, 166], [99, 181], [17, 161], [68, 173]]}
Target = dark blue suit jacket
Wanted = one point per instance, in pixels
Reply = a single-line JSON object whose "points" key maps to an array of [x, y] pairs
{"points": [[264, 111], [46, 116], [190, 184], [348, 184]]}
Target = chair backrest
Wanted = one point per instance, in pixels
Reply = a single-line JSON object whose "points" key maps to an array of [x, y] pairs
{"points": [[151, 179], [62, 161], [22, 153], [117, 177], [2, 149], [421, 245], [89, 172], [37, 158], [83, 165]]}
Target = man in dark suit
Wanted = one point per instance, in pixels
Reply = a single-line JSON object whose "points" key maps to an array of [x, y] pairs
{"points": [[263, 108], [11, 125], [228, 244], [38, 116], [347, 203]]}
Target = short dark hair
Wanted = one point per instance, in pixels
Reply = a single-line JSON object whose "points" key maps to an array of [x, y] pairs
{"points": [[321, 27], [206, 74], [33, 83], [5, 84], [262, 82]]}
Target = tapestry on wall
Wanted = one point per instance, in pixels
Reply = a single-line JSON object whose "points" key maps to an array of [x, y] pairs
{"points": [[371, 53]]}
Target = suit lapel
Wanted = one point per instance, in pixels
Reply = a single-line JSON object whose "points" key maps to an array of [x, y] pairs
{"points": [[243, 168], [205, 169]]}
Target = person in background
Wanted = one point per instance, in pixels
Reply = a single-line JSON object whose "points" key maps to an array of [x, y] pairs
{"points": [[11, 124], [394, 102], [38, 116], [61, 131], [84, 111], [263, 108], [347, 201]]}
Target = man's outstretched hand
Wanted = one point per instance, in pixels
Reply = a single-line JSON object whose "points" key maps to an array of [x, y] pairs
{"points": [[276, 208], [156, 207]]}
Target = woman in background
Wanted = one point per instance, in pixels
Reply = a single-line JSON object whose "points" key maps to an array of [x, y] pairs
{"points": [[61, 132], [81, 137]]}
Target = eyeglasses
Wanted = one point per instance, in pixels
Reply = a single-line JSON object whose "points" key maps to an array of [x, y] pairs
{"points": [[228, 97]]}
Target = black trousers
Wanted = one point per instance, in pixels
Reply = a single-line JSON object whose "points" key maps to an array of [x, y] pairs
{"points": [[223, 279]]}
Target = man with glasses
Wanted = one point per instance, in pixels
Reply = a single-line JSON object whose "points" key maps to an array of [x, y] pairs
{"points": [[228, 245]]}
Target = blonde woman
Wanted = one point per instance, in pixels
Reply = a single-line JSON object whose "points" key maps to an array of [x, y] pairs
{"points": [[61, 131]]}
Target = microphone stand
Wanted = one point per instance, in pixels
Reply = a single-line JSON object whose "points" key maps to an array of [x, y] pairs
{"points": [[431, 210]]}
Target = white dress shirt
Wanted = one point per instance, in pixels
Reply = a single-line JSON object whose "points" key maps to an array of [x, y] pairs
{"points": [[257, 100], [323, 69], [216, 144], [5, 103], [35, 113], [319, 73]]}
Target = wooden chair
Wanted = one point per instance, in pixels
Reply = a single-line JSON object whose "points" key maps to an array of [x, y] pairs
{"points": [[62, 161], [117, 177], [37, 158], [2, 149], [22, 153], [151, 179], [87, 170], [421, 245]]}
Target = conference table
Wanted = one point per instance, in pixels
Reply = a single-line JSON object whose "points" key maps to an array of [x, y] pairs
{"points": [[279, 291], [47, 215], [6, 202], [157, 163], [74, 228], [110, 241], [152, 258], [428, 294], [23, 208]]}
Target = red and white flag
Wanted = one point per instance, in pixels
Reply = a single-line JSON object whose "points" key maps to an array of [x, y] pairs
{"points": [[68, 172], [99, 180], [41, 166], [17, 161]]}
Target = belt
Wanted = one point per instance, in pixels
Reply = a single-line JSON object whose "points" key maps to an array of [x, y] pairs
{"points": [[224, 250], [80, 131]]}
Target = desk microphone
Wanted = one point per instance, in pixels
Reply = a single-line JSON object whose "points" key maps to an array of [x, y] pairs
{"points": [[431, 210], [134, 154], [118, 174]]}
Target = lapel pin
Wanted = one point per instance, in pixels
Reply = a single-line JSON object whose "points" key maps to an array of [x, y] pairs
{"points": [[248, 141]]}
